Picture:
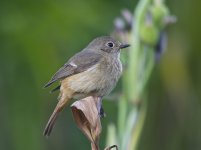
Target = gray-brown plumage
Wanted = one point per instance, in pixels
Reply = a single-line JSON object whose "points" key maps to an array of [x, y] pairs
{"points": [[92, 72]]}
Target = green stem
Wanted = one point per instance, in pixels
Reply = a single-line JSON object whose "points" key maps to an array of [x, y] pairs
{"points": [[133, 60], [141, 62], [137, 130]]}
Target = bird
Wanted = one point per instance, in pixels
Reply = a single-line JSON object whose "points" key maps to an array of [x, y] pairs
{"points": [[94, 71]]}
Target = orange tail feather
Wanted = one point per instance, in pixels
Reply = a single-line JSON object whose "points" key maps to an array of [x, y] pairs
{"points": [[51, 122]]}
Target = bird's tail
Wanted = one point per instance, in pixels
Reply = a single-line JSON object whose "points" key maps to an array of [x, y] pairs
{"points": [[51, 122]]}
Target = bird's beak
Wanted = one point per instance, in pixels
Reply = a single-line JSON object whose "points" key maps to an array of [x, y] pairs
{"points": [[124, 46]]}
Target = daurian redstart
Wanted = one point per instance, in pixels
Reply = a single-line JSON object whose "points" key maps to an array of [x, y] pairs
{"points": [[92, 72]]}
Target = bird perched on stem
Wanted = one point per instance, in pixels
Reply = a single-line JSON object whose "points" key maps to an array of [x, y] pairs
{"points": [[92, 72]]}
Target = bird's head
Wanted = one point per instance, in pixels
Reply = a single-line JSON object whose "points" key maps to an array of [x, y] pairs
{"points": [[106, 44]]}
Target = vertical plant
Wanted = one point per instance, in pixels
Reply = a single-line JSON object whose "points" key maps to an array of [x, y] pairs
{"points": [[145, 31]]}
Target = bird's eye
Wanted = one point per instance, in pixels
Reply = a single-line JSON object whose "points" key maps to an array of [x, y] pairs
{"points": [[110, 44]]}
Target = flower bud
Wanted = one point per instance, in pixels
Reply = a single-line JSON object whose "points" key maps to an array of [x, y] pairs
{"points": [[159, 12], [149, 34]]}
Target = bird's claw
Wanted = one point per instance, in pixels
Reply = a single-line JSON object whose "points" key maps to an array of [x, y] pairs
{"points": [[101, 112], [100, 108]]}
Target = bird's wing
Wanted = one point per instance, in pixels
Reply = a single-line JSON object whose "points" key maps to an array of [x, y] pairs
{"points": [[78, 63]]}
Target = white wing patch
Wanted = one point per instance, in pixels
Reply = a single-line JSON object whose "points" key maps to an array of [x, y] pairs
{"points": [[73, 64]]}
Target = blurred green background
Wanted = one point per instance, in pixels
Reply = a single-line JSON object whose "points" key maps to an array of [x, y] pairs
{"points": [[37, 37]]}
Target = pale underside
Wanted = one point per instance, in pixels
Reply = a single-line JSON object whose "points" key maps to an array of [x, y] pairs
{"points": [[98, 80]]}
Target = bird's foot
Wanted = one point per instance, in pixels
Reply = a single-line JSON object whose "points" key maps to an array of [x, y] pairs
{"points": [[101, 112], [100, 108]]}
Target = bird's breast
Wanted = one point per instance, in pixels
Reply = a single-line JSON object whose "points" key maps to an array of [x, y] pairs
{"points": [[99, 79]]}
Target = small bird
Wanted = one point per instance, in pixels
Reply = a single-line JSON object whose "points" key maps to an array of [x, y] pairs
{"points": [[92, 72]]}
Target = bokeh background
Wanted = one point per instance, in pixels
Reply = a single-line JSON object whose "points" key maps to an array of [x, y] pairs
{"points": [[37, 37]]}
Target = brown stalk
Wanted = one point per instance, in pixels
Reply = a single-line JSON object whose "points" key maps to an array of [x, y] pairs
{"points": [[87, 118]]}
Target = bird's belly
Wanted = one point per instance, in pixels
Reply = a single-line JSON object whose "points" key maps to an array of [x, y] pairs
{"points": [[94, 81]]}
